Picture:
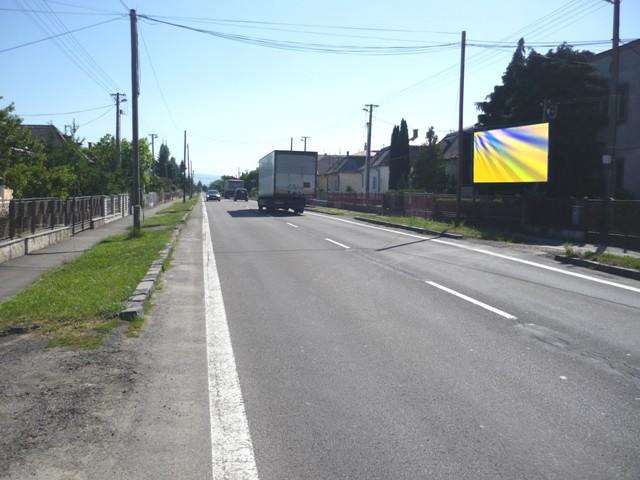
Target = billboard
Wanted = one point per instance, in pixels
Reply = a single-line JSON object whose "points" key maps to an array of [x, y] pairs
{"points": [[511, 155]]}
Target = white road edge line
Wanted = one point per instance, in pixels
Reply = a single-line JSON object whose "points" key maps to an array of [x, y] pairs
{"points": [[231, 447], [292, 225], [473, 300], [486, 252], [337, 243]]}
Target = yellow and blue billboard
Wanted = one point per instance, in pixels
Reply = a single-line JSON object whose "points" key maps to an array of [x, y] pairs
{"points": [[511, 155]]}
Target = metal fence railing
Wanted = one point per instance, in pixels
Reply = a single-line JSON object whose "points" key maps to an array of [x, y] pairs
{"points": [[27, 216], [583, 215]]}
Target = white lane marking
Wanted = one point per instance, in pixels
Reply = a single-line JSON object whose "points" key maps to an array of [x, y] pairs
{"points": [[292, 225], [473, 300], [337, 243], [486, 252], [231, 447]]}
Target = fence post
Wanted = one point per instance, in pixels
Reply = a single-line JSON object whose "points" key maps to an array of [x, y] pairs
{"points": [[12, 218], [52, 216], [32, 214]]}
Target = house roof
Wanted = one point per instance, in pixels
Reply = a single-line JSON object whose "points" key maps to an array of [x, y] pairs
{"points": [[327, 162], [47, 134], [634, 44], [382, 158], [348, 164]]}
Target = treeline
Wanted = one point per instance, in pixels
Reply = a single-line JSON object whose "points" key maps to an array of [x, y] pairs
{"points": [[563, 79], [32, 168]]}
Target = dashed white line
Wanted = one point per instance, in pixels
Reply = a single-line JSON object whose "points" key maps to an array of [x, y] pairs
{"points": [[487, 252], [337, 243], [473, 300], [292, 225], [231, 448]]}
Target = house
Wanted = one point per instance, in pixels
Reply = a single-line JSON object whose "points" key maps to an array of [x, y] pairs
{"points": [[325, 163], [626, 169], [345, 176], [49, 135], [5, 193], [379, 168], [449, 147]]}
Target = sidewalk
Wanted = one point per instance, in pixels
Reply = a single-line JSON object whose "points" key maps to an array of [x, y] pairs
{"points": [[19, 273]]}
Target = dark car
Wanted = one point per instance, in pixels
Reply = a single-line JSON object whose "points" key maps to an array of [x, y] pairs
{"points": [[213, 195], [241, 194]]}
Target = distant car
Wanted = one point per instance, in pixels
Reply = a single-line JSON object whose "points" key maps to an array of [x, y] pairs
{"points": [[213, 195], [241, 194]]}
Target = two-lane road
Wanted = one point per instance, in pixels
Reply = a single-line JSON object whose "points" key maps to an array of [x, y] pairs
{"points": [[369, 353]]}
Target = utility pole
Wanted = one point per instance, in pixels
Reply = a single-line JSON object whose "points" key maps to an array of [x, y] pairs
{"points": [[119, 98], [184, 169], [135, 151], [369, 109], [291, 148], [153, 145], [189, 170], [304, 139], [609, 159], [460, 127]]}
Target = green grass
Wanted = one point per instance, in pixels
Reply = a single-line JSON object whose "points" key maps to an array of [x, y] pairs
{"points": [[486, 233], [76, 304], [626, 261]]}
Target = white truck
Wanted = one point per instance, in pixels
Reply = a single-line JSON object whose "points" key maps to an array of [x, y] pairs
{"points": [[286, 179]]}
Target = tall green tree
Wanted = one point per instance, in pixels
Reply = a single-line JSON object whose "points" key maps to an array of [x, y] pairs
{"points": [[565, 78], [399, 159], [429, 169]]}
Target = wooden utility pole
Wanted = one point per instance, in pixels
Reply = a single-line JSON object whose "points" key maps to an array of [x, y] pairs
{"points": [[369, 108], [119, 98], [460, 128], [609, 160], [135, 141], [184, 169], [153, 145]]}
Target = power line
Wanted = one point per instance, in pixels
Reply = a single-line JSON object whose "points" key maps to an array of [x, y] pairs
{"points": [[63, 113], [58, 12], [312, 47], [96, 119], [51, 37], [80, 48], [155, 76], [82, 7]]}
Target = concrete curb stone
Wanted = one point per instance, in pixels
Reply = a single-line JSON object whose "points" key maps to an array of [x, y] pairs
{"points": [[581, 262], [135, 304]]}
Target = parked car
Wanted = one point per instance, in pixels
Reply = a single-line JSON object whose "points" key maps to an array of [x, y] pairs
{"points": [[241, 194], [213, 195]]}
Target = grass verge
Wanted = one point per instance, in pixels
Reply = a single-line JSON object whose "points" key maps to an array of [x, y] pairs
{"points": [[76, 304], [485, 233], [626, 261]]}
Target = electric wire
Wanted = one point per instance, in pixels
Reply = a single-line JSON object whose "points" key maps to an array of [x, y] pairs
{"points": [[50, 37], [95, 119], [155, 77], [61, 42], [64, 113], [83, 52], [81, 7], [312, 47]]}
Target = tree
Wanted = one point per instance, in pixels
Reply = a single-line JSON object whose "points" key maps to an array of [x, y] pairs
{"points": [[399, 160], [250, 178], [566, 78], [429, 169]]}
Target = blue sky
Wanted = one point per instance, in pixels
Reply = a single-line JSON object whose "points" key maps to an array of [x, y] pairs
{"points": [[239, 101]]}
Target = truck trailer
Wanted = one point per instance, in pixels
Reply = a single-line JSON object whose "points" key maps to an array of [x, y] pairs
{"points": [[286, 179], [230, 185]]}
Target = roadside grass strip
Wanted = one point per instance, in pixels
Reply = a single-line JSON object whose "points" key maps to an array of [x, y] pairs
{"points": [[76, 304]]}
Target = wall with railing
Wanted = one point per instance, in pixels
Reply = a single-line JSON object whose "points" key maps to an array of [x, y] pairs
{"points": [[27, 216]]}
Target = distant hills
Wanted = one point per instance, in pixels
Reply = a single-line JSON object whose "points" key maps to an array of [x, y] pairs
{"points": [[206, 179]]}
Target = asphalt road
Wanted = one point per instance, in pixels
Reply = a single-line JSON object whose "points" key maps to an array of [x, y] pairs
{"points": [[369, 353]]}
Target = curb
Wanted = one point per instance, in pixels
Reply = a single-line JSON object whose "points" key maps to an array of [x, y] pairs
{"points": [[410, 228], [135, 304], [581, 262]]}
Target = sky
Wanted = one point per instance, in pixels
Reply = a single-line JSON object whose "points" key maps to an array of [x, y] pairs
{"points": [[262, 74]]}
